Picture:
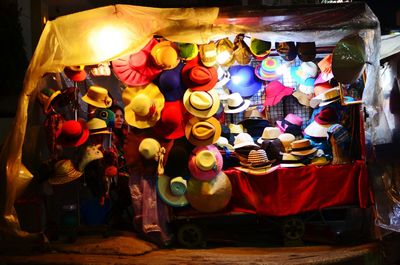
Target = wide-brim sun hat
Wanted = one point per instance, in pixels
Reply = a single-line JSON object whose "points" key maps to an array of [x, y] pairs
{"points": [[235, 103], [64, 172], [275, 91], [302, 98], [200, 132], [202, 104], [97, 96], [170, 125], [198, 77], [260, 48], [166, 194], [243, 80], [170, 84], [205, 162]]}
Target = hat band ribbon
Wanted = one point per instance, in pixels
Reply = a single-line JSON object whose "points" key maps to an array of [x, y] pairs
{"points": [[212, 103], [302, 148], [99, 130], [236, 107], [330, 99]]}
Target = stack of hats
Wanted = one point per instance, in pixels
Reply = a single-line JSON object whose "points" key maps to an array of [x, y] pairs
{"points": [[322, 121], [271, 144], [291, 124], [303, 150], [254, 122]]}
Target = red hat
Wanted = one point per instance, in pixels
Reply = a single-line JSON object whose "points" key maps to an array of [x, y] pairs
{"points": [[326, 116], [274, 92], [75, 73], [73, 133], [170, 125], [137, 69], [205, 162], [198, 77]]}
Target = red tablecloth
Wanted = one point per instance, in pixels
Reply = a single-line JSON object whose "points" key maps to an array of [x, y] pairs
{"points": [[288, 191]]}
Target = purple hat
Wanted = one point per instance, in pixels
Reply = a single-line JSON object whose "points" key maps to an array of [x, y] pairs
{"points": [[243, 80], [170, 84]]}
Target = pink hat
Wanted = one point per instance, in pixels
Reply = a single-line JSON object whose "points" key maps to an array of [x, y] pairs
{"points": [[170, 125], [290, 119], [137, 69], [205, 162], [274, 92]]}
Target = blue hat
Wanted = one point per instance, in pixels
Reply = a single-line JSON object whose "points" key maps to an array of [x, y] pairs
{"points": [[243, 80], [170, 83]]}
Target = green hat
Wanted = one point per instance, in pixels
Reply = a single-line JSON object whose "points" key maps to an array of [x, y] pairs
{"points": [[260, 48], [188, 51]]}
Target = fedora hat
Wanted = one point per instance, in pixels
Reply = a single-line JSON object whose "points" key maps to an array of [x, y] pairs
{"points": [[275, 91], [267, 70], [137, 69], [325, 98], [170, 83], [348, 59], [205, 162], [97, 96], [76, 73], [325, 65], [208, 54], [172, 190], [225, 52], [287, 50], [165, 55], [306, 51], [269, 133], [260, 48], [243, 139], [46, 97], [170, 125], [286, 139], [97, 126], [289, 160], [64, 172], [188, 51], [209, 196], [73, 133], [302, 147], [254, 122], [198, 77], [202, 104], [302, 98], [235, 103], [202, 132], [243, 80], [241, 51], [145, 106]]}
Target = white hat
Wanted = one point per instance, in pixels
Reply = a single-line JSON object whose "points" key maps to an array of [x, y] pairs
{"points": [[326, 98], [317, 130], [236, 103], [286, 139], [243, 139]]}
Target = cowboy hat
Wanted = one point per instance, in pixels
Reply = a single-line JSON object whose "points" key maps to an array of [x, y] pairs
{"points": [[64, 172], [73, 133], [75, 73], [236, 104], [202, 132], [170, 83], [172, 190], [198, 77], [205, 162], [267, 70], [243, 80], [170, 125], [202, 104], [97, 96], [145, 106], [165, 55]]}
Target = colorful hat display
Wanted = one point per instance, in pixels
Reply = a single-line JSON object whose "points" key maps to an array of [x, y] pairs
{"points": [[306, 51], [242, 140], [145, 106], [302, 147], [137, 69], [289, 120], [64, 172], [236, 104], [97, 126], [289, 160], [287, 50], [267, 70], [73, 133], [46, 98], [172, 190], [326, 98], [269, 133], [209, 196], [97, 96], [274, 92], [202, 132], [188, 51], [170, 125], [208, 54], [76, 73], [198, 77], [205, 162], [202, 104], [348, 59], [225, 52], [170, 83], [241, 51], [260, 48], [165, 55], [243, 80]]}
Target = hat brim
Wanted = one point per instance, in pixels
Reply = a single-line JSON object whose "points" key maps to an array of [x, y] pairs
{"points": [[77, 142], [257, 172], [201, 113], [97, 104], [304, 152], [237, 110], [302, 98], [202, 142], [205, 175], [315, 129], [266, 78], [245, 144], [164, 191], [325, 103], [292, 165], [50, 100]]}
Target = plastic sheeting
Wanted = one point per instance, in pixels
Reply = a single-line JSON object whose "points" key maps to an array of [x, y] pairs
{"points": [[106, 33]]}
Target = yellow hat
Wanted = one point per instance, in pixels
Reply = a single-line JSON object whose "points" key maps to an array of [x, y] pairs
{"points": [[97, 126], [145, 106], [202, 132], [97, 96], [165, 55], [150, 148], [202, 104], [208, 54], [225, 52]]}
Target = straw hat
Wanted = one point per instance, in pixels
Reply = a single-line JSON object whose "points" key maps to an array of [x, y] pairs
{"points": [[75, 73], [202, 132], [302, 147], [235, 128], [73, 133], [236, 103], [202, 104], [151, 149], [64, 172], [97, 126], [172, 190], [208, 54], [303, 98], [289, 160], [286, 139], [269, 133], [198, 77], [165, 55], [243, 139], [145, 106], [326, 98], [97, 96], [205, 162], [257, 159]]}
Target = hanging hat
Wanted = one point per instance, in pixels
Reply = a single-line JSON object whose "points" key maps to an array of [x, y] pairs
{"points": [[243, 139], [64, 172], [73, 133], [225, 52], [97, 126], [137, 69], [289, 160], [290, 120], [198, 77], [209, 196], [164, 55], [98, 97], [170, 125], [241, 51], [348, 59], [172, 190], [46, 98], [274, 92], [268, 69], [223, 78], [326, 116], [145, 106], [302, 98], [235, 128], [208, 54], [151, 149], [243, 80], [260, 48], [325, 65], [106, 115], [304, 71], [287, 50], [286, 139], [205, 162], [75, 73], [326, 98], [188, 51], [306, 51], [302, 147], [178, 158], [202, 132], [202, 104], [269, 133], [236, 103], [170, 83]]}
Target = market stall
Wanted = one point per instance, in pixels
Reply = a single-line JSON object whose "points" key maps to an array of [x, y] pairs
{"points": [[134, 112]]}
